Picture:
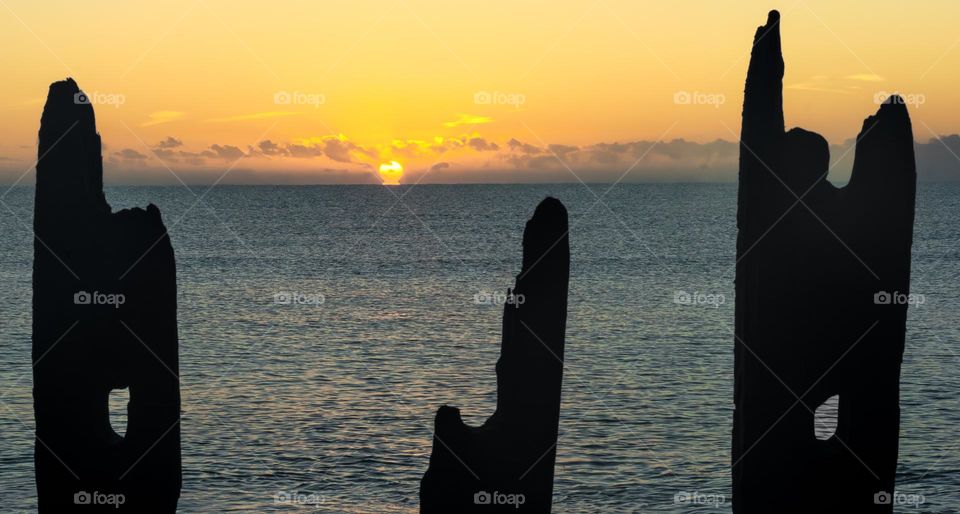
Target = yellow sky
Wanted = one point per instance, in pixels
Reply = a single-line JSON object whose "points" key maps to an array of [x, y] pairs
{"points": [[351, 85]]}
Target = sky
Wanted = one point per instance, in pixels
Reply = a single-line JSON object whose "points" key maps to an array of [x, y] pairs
{"points": [[417, 91]]}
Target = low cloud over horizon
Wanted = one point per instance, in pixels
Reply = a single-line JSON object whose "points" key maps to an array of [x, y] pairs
{"points": [[464, 159]]}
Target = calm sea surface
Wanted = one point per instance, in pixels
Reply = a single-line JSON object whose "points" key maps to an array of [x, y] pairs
{"points": [[337, 399]]}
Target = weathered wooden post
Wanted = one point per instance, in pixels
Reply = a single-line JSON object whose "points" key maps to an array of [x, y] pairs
{"points": [[822, 285], [507, 464], [104, 318]]}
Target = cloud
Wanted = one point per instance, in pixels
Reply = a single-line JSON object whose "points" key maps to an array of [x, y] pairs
{"points": [[205, 153], [474, 158], [338, 150], [227, 152], [438, 146], [270, 148], [165, 153], [164, 149], [689, 160], [937, 159], [482, 145], [414, 148], [468, 119], [304, 151], [130, 154], [158, 117], [195, 161], [252, 116], [523, 147], [562, 150], [117, 173], [169, 142]]}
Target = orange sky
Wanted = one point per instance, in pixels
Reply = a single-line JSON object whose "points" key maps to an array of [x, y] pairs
{"points": [[455, 91]]}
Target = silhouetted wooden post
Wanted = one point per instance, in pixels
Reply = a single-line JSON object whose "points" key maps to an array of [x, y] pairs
{"points": [[104, 318], [823, 275], [507, 464]]}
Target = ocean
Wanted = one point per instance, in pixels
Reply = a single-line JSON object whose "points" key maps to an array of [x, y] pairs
{"points": [[329, 399]]}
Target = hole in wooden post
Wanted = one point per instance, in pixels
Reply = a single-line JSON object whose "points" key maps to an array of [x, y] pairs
{"points": [[825, 418], [118, 401]]}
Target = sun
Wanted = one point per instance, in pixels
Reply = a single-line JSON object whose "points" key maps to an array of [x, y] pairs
{"points": [[390, 173]]}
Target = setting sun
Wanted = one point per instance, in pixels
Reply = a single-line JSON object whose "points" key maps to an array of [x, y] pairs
{"points": [[390, 173]]}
